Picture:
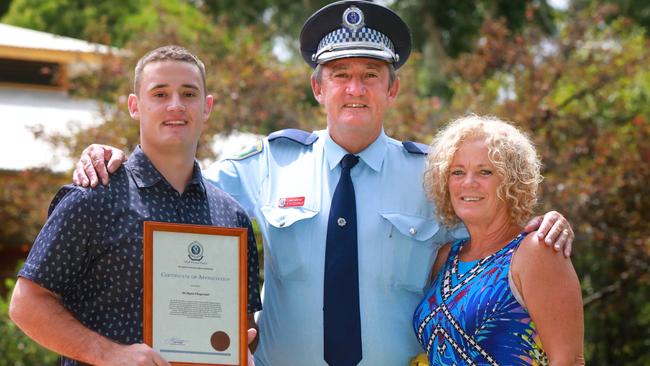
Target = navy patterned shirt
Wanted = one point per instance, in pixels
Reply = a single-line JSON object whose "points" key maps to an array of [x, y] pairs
{"points": [[90, 250]]}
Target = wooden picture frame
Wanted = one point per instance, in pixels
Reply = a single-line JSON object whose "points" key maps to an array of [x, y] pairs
{"points": [[195, 282]]}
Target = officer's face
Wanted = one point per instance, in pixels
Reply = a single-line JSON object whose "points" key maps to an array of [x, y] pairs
{"points": [[171, 106], [355, 94]]}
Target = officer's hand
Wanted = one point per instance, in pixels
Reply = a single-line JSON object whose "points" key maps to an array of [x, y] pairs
{"points": [[251, 336], [93, 166], [138, 354], [554, 230]]}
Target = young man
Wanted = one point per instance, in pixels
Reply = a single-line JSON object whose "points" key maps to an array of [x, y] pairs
{"points": [[324, 303], [80, 291]]}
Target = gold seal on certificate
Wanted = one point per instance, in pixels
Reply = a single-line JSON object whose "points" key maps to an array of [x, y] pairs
{"points": [[195, 293]]}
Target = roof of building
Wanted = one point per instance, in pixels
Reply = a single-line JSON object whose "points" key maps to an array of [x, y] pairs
{"points": [[29, 44], [13, 36]]}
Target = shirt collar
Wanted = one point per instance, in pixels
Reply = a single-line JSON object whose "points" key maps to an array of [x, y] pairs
{"points": [[145, 173], [373, 155]]}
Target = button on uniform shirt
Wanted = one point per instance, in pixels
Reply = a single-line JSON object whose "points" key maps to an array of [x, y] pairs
{"points": [[288, 188], [90, 250]]}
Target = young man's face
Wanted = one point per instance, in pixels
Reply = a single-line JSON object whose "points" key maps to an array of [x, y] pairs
{"points": [[355, 94], [171, 106]]}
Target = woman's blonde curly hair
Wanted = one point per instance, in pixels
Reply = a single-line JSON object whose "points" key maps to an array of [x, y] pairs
{"points": [[509, 149]]}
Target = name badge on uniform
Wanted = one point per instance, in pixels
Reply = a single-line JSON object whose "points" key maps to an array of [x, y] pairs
{"points": [[291, 202]]}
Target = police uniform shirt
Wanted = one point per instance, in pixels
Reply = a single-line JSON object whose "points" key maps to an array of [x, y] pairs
{"points": [[287, 185]]}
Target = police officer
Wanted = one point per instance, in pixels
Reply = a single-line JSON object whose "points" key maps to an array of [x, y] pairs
{"points": [[349, 236]]}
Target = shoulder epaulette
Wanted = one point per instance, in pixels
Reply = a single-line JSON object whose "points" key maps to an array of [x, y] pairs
{"points": [[253, 150], [416, 147], [299, 136]]}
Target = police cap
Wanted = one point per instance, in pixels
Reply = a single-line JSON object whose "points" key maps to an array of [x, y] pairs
{"points": [[355, 28]]}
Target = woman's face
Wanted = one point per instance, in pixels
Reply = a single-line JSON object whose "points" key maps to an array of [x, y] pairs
{"points": [[473, 185]]}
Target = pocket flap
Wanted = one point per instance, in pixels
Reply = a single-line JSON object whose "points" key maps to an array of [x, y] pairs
{"points": [[285, 217], [413, 226]]}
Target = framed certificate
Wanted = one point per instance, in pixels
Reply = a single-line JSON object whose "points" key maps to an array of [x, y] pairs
{"points": [[195, 293]]}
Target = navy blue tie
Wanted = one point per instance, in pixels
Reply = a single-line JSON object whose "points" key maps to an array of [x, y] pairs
{"points": [[341, 319]]}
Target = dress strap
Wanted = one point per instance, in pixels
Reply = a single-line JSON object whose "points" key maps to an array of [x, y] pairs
{"points": [[456, 247], [514, 244], [455, 250]]}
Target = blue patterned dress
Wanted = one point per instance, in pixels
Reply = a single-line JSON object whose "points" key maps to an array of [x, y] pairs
{"points": [[470, 315]]}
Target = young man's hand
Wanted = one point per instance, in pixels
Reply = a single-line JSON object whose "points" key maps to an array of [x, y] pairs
{"points": [[138, 354], [252, 332]]}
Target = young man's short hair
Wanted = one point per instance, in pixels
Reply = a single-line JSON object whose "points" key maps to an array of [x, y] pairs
{"points": [[167, 53]]}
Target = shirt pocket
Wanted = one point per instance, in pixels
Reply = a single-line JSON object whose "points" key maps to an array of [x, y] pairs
{"points": [[289, 240], [408, 249]]}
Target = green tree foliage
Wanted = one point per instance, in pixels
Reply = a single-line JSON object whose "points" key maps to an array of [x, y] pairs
{"points": [[282, 18], [637, 10], [448, 28], [4, 7], [455, 25], [74, 18], [23, 204], [111, 22]]}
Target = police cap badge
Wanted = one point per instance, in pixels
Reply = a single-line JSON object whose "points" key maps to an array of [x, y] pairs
{"points": [[355, 28]]}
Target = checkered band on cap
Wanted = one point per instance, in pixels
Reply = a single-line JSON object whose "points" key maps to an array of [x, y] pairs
{"points": [[364, 38]]}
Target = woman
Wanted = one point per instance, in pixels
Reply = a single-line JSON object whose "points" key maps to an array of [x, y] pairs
{"points": [[500, 297]]}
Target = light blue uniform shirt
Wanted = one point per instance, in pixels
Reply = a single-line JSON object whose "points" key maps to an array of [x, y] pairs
{"points": [[398, 238]]}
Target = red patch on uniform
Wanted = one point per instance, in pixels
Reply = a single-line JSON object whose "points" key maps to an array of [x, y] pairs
{"points": [[291, 202]]}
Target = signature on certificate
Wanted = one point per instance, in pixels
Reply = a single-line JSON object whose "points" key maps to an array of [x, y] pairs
{"points": [[175, 341]]}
